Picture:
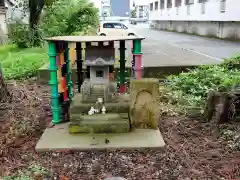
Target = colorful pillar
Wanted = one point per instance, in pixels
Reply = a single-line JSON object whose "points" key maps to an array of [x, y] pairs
{"points": [[87, 67], [133, 60], [111, 67], [54, 82], [68, 67], [79, 65], [122, 62], [138, 58]]}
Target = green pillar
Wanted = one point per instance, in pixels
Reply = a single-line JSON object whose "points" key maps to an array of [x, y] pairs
{"points": [[137, 46], [122, 62], [137, 53], [69, 80], [54, 82]]}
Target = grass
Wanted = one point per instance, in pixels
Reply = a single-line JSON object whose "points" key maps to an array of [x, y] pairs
{"points": [[21, 63]]}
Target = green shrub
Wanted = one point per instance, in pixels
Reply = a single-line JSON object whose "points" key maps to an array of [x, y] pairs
{"points": [[63, 17], [192, 88], [21, 63], [66, 17], [233, 62], [18, 34], [21, 35], [86, 16]]}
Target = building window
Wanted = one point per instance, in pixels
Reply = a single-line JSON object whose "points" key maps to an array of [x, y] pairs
{"points": [[203, 8], [169, 3], [140, 8], [178, 3], [189, 2], [223, 6], [177, 10], [162, 4], [202, 1], [151, 6], [156, 5], [99, 74], [2, 3], [188, 9]]}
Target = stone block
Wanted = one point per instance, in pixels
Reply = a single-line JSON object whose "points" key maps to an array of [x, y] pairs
{"points": [[99, 123], [143, 106], [122, 106]]}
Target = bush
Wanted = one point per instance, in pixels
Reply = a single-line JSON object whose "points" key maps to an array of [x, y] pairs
{"points": [[66, 17], [192, 88], [21, 35], [21, 63], [233, 62]]}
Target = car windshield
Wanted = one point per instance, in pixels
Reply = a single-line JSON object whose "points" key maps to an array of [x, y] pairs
{"points": [[118, 26], [115, 25]]}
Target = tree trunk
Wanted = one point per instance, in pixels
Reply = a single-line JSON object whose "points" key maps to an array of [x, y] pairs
{"points": [[35, 9], [220, 107], [3, 87]]}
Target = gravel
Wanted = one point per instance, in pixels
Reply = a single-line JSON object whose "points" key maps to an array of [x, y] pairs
{"points": [[191, 152]]}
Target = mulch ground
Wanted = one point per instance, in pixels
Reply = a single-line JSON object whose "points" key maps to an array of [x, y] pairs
{"points": [[192, 151]]}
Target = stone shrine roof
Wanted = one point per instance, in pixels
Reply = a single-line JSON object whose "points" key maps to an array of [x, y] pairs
{"points": [[99, 62], [93, 38]]}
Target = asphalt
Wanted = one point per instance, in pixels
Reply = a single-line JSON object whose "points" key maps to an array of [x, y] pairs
{"points": [[162, 48]]}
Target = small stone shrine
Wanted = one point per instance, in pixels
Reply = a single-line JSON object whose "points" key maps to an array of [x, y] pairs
{"points": [[100, 106], [99, 59], [101, 113]]}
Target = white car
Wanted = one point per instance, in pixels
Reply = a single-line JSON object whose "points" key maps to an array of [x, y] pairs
{"points": [[114, 28]]}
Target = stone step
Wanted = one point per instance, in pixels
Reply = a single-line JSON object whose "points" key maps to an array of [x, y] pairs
{"points": [[97, 91], [122, 106], [119, 107], [97, 94], [99, 123]]}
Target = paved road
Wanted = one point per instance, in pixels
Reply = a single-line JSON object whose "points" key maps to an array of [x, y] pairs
{"points": [[162, 48]]}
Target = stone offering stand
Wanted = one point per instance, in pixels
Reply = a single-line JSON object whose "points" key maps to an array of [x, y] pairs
{"points": [[101, 114]]}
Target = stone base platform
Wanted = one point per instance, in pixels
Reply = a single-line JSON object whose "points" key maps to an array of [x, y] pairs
{"points": [[58, 138]]}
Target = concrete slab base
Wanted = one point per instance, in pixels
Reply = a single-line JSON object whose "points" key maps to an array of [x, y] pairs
{"points": [[58, 138]]}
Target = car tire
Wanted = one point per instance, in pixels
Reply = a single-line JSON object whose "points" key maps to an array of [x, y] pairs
{"points": [[131, 34], [102, 34]]}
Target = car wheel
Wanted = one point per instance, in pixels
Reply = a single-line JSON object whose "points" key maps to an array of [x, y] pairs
{"points": [[131, 34], [102, 34]]}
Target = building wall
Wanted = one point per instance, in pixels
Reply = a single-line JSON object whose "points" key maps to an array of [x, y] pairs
{"points": [[120, 8], [220, 29], [15, 14], [204, 19], [3, 22], [195, 11]]}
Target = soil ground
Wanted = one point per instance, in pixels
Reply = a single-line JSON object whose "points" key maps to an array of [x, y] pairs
{"points": [[191, 152]]}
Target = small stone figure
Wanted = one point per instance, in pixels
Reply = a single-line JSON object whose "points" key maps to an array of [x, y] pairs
{"points": [[96, 110], [99, 105], [103, 110], [91, 111]]}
